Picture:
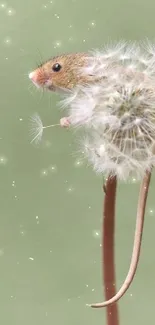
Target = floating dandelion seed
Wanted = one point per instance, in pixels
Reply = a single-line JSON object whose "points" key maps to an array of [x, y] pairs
{"points": [[36, 128]]}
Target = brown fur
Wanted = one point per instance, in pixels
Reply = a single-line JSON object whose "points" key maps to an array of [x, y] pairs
{"points": [[69, 75]]}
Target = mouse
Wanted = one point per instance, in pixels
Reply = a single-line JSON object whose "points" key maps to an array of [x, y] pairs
{"points": [[62, 74]]}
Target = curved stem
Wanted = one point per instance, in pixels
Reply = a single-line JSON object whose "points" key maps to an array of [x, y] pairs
{"points": [[137, 243], [108, 253]]}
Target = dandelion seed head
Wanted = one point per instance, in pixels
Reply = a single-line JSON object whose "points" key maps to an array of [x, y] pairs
{"points": [[118, 111]]}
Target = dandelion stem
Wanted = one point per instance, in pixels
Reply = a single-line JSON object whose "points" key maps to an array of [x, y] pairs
{"points": [[49, 126], [137, 243], [108, 253]]}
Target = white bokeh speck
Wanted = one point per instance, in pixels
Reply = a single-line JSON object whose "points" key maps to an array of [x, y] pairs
{"points": [[52, 169], [96, 233], [44, 173], [10, 12], [3, 160], [7, 41], [3, 5]]}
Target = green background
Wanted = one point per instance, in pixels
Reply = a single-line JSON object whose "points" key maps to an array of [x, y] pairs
{"points": [[51, 203]]}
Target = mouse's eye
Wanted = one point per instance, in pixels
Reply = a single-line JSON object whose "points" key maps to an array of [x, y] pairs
{"points": [[56, 67]]}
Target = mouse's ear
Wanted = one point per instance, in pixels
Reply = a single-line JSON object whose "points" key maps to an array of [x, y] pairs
{"points": [[92, 78]]}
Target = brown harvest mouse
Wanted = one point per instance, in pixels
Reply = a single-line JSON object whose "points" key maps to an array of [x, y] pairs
{"points": [[61, 74]]}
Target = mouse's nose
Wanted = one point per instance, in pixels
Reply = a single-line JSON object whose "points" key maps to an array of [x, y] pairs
{"points": [[33, 76]]}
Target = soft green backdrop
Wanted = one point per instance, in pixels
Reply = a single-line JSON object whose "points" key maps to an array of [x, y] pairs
{"points": [[51, 204]]}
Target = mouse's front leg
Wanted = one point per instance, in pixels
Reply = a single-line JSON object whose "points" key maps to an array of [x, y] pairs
{"points": [[64, 122]]}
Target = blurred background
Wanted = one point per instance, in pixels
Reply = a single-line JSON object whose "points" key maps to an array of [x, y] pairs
{"points": [[51, 202]]}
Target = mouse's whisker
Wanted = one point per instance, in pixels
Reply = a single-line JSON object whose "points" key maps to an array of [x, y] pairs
{"points": [[49, 101], [31, 89], [41, 94], [40, 61], [25, 75], [39, 64]]}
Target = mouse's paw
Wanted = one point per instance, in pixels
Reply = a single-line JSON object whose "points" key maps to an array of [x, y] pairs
{"points": [[64, 122]]}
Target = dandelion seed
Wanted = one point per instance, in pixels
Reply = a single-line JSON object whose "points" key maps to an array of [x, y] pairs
{"points": [[36, 128]]}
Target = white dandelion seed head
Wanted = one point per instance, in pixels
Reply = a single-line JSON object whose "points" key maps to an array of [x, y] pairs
{"points": [[126, 54], [117, 112], [149, 47]]}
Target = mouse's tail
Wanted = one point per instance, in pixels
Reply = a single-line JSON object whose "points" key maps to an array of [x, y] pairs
{"points": [[137, 243]]}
